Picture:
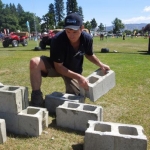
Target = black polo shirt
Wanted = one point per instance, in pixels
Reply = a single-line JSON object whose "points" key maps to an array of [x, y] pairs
{"points": [[63, 52]]}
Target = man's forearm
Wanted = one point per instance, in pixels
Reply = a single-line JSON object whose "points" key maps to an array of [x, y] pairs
{"points": [[66, 72], [94, 60]]}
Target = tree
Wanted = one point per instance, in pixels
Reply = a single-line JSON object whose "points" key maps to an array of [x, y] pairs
{"points": [[117, 25], [71, 6], [101, 27], [14, 18], [93, 23], [48, 21], [81, 13], [35, 24], [60, 25], [1, 6], [52, 14], [147, 27], [59, 8], [1, 15], [88, 25], [20, 9], [9, 19], [128, 32]]}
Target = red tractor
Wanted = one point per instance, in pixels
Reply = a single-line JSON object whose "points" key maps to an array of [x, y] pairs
{"points": [[15, 39]]}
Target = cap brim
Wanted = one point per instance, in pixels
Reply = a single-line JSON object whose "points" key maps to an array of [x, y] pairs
{"points": [[72, 27]]}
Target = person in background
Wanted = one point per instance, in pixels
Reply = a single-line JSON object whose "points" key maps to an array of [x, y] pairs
{"points": [[67, 52], [1, 36]]}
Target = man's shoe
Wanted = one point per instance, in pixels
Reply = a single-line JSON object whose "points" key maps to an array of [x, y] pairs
{"points": [[37, 99]]}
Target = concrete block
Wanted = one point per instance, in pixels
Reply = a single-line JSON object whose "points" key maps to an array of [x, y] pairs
{"points": [[32, 121], [23, 93], [57, 98], [10, 99], [11, 120], [2, 86], [76, 115], [114, 136], [99, 84], [3, 136]]}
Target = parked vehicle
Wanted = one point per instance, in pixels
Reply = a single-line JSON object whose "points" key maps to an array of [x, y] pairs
{"points": [[15, 39], [46, 37]]}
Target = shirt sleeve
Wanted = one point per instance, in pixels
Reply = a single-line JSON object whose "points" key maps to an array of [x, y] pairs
{"points": [[89, 47]]}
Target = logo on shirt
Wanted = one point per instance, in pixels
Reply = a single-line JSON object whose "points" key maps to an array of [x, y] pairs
{"points": [[79, 53]]}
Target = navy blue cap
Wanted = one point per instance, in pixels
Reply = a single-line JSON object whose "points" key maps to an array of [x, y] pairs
{"points": [[73, 21]]}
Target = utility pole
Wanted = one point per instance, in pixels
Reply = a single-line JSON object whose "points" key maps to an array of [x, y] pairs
{"points": [[149, 43]]}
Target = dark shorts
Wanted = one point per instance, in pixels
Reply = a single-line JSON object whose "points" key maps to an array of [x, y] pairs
{"points": [[71, 85]]}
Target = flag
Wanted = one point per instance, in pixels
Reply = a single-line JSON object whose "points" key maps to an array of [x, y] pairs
{"points": [[28, 26]]}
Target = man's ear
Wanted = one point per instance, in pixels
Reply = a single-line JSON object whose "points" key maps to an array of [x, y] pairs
{"points": [[82, 27]]}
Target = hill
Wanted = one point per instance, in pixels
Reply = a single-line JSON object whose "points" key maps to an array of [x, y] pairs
{"points": [[129, 26]]}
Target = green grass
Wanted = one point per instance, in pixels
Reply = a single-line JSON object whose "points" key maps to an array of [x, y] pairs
{"points": [[128, 102]]}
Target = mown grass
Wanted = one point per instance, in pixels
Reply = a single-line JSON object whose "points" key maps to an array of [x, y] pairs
{"points": [[128, 102]]}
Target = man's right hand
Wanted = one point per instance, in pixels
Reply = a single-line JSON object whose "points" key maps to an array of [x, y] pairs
{"points": [[83, 82]]}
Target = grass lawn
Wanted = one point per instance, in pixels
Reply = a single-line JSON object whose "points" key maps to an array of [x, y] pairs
{"points": [[128, 102]]}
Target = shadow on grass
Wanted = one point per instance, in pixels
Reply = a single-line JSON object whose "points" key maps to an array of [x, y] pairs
{"points": [[74, 146], [142, 52], [25, 50], [13, 135], [54, 126], [18, 49], [77, 147]]}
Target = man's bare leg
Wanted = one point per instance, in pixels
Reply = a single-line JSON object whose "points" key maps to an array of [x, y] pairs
{"points": [[36, 66]]}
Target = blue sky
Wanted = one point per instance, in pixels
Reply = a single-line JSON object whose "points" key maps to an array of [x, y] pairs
{"points": [[104, 11]]}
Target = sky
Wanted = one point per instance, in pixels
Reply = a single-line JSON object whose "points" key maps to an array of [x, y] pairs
{"points": [[103, 11]]}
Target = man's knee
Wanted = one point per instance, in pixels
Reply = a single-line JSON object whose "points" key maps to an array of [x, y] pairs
{"points": [[34, 62]]}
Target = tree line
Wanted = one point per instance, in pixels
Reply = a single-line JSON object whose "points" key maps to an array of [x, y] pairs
{"points": [[15, 18]]}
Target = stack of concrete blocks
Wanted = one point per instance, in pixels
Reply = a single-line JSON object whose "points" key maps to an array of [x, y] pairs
{"points": [[99, 84], [3, 135], [52, 101], [19, 117], [114, 136], [76, 115]]}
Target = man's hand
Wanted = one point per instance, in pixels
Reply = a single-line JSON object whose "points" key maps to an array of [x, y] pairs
{"points": [[105, 68], [83, 82]]}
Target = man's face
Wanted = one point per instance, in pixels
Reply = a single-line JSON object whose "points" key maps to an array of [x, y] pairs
{"points": [[73, 35]]}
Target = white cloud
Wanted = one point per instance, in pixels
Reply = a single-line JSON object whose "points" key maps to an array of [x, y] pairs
{"points": [[141, 19], [147, 9]]}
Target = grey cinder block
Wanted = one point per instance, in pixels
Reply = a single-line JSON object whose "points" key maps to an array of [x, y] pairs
{"points": [[32, 121], [10, 100], [57, 98], [11, 120], [3, 135], [14, 98], [99, 84], [24, 96], [114, 136], [76, 115]]}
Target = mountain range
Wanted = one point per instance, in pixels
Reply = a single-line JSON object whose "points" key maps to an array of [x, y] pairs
{"points": [[129, 26]]}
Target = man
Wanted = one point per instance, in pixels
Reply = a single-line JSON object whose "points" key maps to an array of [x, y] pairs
{"points": [[66, 58]]}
